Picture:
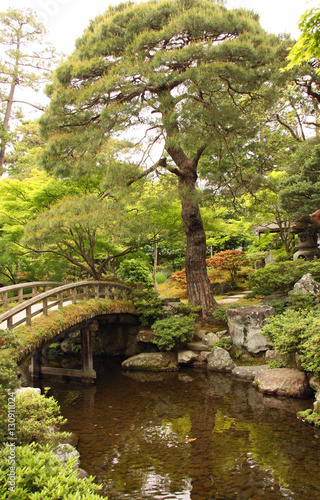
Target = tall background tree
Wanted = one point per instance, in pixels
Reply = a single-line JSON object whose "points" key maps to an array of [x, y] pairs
{"points": [[179, 78], [24, 63]]}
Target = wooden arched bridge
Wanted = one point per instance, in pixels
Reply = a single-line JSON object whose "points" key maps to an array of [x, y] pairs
{"points": [[25, 302]]}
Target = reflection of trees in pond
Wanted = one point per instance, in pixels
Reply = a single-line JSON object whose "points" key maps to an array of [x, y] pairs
{"points": [[207, 435], [264, 453], [158, 436]]}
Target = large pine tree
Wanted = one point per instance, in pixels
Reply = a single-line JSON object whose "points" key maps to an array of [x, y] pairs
{"points": [[183, 74]]}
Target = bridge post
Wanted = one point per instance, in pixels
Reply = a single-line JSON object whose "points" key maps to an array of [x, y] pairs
{"points": [[36, 364], [88, 373]]}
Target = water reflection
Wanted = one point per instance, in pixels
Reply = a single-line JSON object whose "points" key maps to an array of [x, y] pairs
{"points": [[190, 435]]}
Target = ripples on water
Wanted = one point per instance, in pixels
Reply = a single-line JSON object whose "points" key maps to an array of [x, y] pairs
{"points": [[190, 435]]}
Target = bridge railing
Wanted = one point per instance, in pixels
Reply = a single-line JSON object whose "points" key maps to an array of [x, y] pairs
{"points": [[19, 293], [60, 296]]}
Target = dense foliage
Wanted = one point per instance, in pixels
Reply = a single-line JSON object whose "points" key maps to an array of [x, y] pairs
{"points": [[297, 331], [281, 276], [171, 333], [8, 378], [40, 474], [39, 419], [135, 271], [148, 306]]}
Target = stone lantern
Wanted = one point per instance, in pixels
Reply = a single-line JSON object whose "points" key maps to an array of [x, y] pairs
{"points": [[307, 247]]}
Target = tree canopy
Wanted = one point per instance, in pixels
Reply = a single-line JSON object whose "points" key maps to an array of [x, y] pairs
{"points": [[175, 78]]}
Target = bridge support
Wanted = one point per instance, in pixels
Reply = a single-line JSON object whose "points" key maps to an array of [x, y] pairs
{"points": [[86, 373]]}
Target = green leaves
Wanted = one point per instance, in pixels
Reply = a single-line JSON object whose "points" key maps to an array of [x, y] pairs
{"points": [[40, 474], [87, 232], [308, 44], [38, 416], [170, 333], [297, 332]]}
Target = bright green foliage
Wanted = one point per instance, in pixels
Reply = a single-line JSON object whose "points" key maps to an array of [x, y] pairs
{"points": [[148, 306], [229, 260], [8, 378], [21, 201], [37, 416], [87, 232], [297, 331], [219, 315], [281, 276], [223, 231], [307, 47], [41, 475], [170, 333], [135, 271], [161, 277]]}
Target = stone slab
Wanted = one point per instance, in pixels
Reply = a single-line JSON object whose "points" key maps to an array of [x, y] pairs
{"points": [[248, 372]]}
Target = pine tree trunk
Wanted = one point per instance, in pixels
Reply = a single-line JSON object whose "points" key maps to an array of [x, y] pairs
{"points": [[198, 283]]}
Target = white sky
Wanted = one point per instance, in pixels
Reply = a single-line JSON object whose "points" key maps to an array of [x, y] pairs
{"points": [[66, 20]]}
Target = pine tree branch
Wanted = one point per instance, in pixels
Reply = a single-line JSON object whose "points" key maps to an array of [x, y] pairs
{"points": [[288, 127]]}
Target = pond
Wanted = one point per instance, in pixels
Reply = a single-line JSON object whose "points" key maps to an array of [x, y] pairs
{"points": [[189, 435]]}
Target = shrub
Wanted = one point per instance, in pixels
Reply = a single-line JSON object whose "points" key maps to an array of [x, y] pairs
{"points": [[180, 279], [170, 333], [281, 276], [228, 260], [135, 271], [40, 474], [148, 306], [219, 315], [302, 301], [297, 332], [38, 418], [8, 377], [161, 278]]}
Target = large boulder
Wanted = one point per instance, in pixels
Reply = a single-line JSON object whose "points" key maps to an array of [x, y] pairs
{"points": [[152, 361], [219, 360], [307, 285], [283, 382], [245, 324]]}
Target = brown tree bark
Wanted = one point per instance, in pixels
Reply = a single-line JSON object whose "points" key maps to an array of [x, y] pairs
{"points": [[198, 283]]}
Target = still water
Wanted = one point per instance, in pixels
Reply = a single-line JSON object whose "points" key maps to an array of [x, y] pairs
{"points": [[190, 435]]}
